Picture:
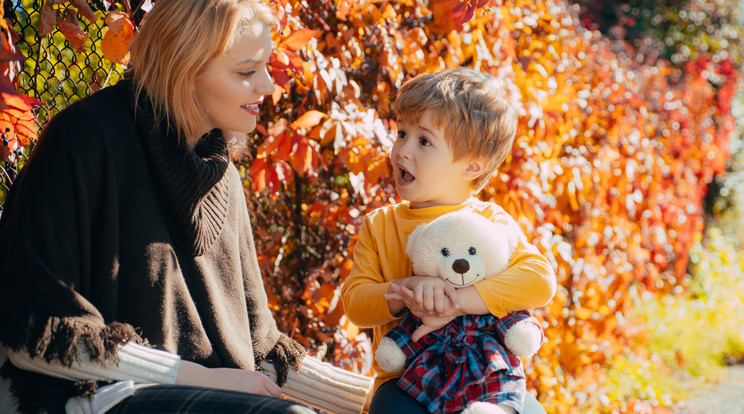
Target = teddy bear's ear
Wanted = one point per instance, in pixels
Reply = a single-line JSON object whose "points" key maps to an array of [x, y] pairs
{"points": [[414, 239]]}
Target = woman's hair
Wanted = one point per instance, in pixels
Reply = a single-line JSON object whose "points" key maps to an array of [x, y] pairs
{"points": [[472, 109], [175, 42]]}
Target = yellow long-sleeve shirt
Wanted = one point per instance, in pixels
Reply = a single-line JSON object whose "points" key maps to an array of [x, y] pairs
{"points": [[380, 258]]}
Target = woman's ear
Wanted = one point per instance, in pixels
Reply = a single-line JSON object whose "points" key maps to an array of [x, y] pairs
{"points": [[474, 169]]}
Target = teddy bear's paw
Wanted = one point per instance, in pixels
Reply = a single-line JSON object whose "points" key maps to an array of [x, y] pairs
{"points": [[481, 407], [389, 356], [523, 339]]}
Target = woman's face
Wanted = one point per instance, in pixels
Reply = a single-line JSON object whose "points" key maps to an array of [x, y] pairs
{"points": [[231, 87]]}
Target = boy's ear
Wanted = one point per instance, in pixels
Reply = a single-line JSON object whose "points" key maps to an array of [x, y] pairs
{"points": [[474, 169]]}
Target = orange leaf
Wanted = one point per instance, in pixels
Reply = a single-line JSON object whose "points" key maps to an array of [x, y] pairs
{"points": [[352, 331], [116, 41], [17, 120], [299, 39], [277, 95], [70, 28], [118, 22], [278, 128], [308, 120], [344, 7], [303, 157]]}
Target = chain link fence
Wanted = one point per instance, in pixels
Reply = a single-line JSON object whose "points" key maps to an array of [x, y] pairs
{"points": [[53, 72]]}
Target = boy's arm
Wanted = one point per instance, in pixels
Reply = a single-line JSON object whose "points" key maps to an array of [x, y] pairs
{"points": [[363, 291], [528, 283]]}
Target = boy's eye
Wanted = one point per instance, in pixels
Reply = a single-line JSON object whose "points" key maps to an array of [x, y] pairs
{"points": [[472, 251], [424, 142], [247, 74], [401, 134], [445, 252]]}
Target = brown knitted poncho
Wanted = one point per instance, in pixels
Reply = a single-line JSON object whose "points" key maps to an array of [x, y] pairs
{"points": [[115, 231]]}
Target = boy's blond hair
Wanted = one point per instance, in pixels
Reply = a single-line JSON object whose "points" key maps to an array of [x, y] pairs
{"points": [[176, 41], [470, 107]]}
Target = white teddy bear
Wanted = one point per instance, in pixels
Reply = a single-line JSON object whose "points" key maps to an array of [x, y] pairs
{"points": [[462, 248]]}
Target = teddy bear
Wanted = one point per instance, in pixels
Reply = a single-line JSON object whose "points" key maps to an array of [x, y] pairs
{"points": [[470, 364]]}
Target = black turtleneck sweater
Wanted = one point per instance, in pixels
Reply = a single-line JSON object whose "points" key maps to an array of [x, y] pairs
{"points": [[114, 224]]}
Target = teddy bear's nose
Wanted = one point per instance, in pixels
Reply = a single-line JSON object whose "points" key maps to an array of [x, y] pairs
{"points": [[461, 266]]}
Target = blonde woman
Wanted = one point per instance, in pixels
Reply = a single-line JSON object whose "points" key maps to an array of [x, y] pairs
{"points": [[128, 273]]}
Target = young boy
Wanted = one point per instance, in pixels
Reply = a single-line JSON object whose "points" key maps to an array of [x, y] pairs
{"points": [[455, 128]]}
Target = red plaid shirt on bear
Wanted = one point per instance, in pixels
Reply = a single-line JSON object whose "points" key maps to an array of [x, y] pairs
{"points": [[463, 362]]}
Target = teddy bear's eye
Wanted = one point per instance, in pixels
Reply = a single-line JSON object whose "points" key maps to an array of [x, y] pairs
{"points": [[472, 251], [445, 252]]}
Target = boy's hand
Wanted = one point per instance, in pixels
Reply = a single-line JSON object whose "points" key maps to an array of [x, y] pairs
{"points": [[426, 296], [430, 324]]}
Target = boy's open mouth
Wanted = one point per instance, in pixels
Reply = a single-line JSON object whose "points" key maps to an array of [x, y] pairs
{"points": [[405, 176]]}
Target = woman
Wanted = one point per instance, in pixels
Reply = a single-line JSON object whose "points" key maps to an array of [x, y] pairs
{"points": [[128, 226]]}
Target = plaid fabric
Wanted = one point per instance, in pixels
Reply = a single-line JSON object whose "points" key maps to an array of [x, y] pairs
{"points": [[463, 362]]}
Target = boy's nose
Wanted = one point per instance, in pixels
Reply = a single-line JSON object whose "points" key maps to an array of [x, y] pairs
{"points": [[404, 151]]}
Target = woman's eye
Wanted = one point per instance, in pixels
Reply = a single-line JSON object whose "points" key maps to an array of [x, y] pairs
{"points": [[472, 251], [401, 134], [445, 252], [247, 74]]}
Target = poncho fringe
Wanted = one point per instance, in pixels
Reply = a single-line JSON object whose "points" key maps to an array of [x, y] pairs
{"points": [[58, 339], [286, 353]]}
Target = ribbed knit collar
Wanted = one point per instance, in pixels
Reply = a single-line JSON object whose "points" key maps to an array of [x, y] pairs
{"points": [[190, 180], [405, 211]]}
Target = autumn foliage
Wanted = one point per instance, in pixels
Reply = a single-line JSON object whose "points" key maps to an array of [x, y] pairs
{"points": [[607, 176]]}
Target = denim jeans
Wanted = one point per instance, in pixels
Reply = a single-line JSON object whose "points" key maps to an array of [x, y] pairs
{"points": [[194, 400], [389, 399]]}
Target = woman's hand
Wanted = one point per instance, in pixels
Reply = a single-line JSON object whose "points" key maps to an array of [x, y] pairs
{"points": [[231, 379], [425, 296]]}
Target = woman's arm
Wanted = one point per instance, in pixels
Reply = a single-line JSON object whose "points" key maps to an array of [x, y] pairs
{"points": [[147, 365], [136, 362]]}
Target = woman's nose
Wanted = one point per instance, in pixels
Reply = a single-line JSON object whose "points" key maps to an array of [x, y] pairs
{"points": [[266, 84]]}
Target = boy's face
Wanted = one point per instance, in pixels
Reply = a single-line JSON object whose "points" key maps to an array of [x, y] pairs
{"points": [[425, 173]]}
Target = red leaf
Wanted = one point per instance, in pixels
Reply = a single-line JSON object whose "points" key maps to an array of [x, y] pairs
{"points": [[84, 10], [277, 133], [11, 56], [284, 151], [259, 169], [281, 78], [6, 86], [273, 181], [299, 39], [9, 51], [47, 19]]}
